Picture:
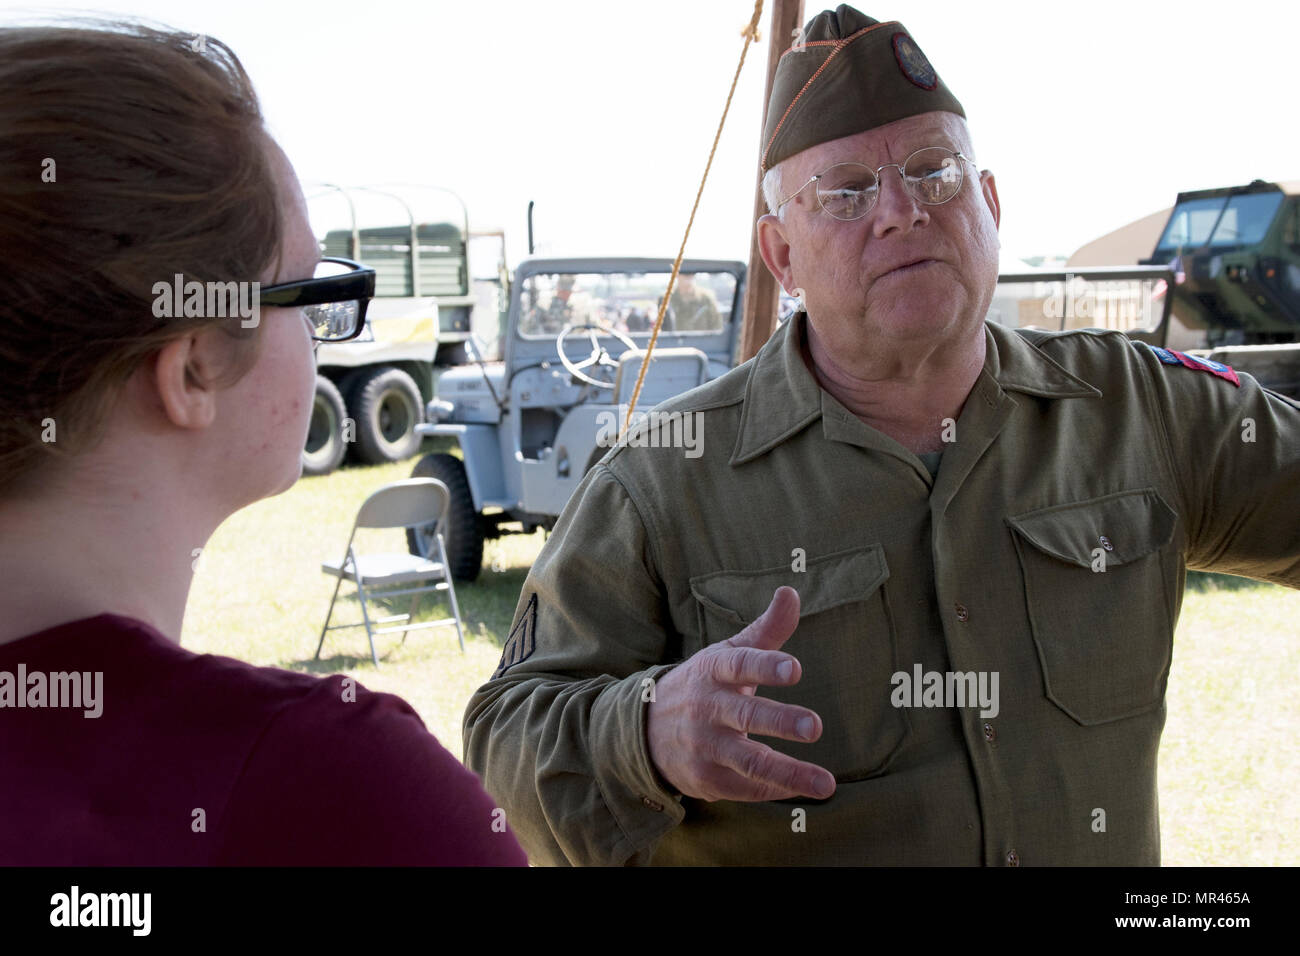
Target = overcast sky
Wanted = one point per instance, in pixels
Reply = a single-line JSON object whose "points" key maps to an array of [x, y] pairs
{"points": [[1090, 115]]}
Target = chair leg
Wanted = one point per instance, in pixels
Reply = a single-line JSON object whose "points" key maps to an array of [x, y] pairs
{"points": [[328, 615], [455, 610], [451, 593], [410, 615], [365, 618]]}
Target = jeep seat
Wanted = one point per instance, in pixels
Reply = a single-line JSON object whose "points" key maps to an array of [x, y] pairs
{"points": [[672, 371]]}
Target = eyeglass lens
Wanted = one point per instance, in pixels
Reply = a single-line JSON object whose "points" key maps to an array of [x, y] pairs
{"points": [[848, 190], [333, 320]]}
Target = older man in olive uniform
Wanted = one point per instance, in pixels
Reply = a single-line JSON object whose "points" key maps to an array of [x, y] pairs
{"points": [[987, 530]]}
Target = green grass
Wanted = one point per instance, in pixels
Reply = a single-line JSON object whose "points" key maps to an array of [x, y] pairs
{"points": [[259, 595], [1229, 762], [1229, 770]]}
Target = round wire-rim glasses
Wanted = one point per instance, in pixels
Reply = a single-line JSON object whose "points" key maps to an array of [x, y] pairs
{"points": [[847, 191]]}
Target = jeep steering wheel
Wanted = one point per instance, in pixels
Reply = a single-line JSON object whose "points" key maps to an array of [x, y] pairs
{"points": [[598, 354]]}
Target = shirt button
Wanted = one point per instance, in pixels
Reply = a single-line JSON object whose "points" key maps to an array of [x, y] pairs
{"points": [[1105, 543], [652, 804], [990, 732], [963, 615], [1013, 858]]}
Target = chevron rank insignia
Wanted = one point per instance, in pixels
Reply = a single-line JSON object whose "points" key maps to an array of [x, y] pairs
{"points": [[1174, 357], [522, 640]]}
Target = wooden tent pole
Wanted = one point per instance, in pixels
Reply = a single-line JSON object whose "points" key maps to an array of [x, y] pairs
{"points": [[761, 290]]}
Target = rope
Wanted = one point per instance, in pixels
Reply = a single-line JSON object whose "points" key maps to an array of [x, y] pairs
{"points": [[750, 35]]}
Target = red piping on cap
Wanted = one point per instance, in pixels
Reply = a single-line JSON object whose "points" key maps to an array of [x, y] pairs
{"points": [[839, 45]]}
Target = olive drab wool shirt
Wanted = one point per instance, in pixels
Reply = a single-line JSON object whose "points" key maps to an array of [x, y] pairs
{"points": [[1084, 476]]}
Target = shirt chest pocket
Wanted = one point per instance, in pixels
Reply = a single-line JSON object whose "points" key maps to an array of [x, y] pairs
{"points": [[845, 644], [1097, 585]]}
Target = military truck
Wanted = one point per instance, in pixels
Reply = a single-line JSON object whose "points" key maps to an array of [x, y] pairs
{"points": [[371, 391], [1223, 283], [530, 426], [1235, 255]]}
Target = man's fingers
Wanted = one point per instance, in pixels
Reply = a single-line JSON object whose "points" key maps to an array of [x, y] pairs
{"points": [[750, 665], [774, 627], [774, 776], [768, 718]]}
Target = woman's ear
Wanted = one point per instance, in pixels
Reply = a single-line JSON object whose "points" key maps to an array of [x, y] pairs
{"points": [[183, 371]]}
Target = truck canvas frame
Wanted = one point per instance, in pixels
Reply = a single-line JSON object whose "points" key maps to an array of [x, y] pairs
{"points": [[371, 392]]}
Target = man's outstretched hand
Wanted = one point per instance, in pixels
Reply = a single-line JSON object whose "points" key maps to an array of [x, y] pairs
{"points": [[705, 708]]}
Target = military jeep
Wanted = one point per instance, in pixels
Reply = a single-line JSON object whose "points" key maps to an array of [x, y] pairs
{"points": [[529, 427]]}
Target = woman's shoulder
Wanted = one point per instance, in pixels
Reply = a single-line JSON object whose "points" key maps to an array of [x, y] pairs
{"points": [[292, 768], [346, 775]]}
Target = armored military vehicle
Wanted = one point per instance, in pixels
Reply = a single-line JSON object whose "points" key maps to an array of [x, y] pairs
{"points": [[1223, 283], [1235, 256]]}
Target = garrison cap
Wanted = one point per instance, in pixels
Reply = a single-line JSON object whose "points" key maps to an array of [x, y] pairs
{"points": [[847, 73]]}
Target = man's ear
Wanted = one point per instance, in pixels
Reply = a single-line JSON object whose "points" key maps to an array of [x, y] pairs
{"points": [[775, 250], [182, 372], [990, 189]]}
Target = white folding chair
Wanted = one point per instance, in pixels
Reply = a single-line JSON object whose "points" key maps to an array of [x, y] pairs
{"points": [[402, 504]]}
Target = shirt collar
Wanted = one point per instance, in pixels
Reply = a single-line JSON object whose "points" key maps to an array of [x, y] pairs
{"points": [[1019, 366], [782, 397]]}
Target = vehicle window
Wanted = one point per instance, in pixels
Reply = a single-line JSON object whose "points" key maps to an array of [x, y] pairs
{"points": [[1246, 219], [1191, 222], [1244, 222], [1291, 231], [629, 302]]}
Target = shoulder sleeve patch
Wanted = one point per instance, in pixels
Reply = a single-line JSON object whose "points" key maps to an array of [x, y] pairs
{"points": [[1217, 369], [522, 640]]}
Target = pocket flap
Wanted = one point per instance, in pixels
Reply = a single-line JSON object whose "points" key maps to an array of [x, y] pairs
{"points": [[827, 582], [1126, 526]]}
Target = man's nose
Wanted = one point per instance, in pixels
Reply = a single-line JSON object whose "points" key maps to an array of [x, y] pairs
{"points": [[896, 207]]}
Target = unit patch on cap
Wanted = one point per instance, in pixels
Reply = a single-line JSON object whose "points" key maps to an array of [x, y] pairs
{"points": [[1174, 357], [913, 62]]}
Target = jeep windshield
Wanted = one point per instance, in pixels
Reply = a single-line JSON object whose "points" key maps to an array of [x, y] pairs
{"points": [[626, 301]]}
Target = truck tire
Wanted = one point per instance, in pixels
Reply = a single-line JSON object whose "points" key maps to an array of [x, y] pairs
{"points": [[461, 535], [386, 405], [325, 446]]}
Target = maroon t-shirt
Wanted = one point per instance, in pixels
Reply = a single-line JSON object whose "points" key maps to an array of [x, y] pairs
{"points": [[196, 759]]}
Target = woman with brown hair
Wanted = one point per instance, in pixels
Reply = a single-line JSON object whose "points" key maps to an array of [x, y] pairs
{"points": [[160, 292]]}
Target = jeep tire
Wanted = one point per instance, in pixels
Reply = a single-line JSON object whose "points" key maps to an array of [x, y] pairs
{"points": [[325, 446], [387, 406], [462, 535]]}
